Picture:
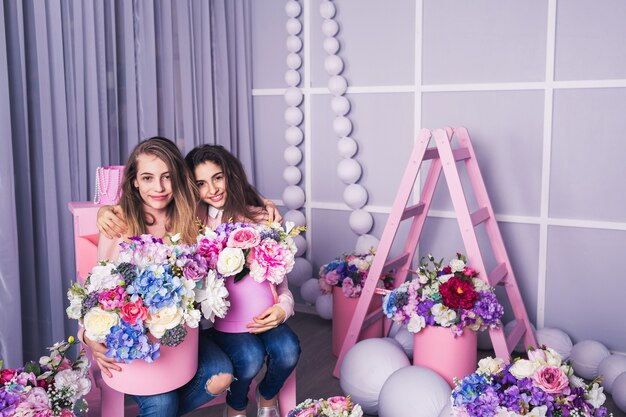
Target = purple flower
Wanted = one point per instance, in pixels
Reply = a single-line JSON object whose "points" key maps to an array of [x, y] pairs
{"points": [[488, 308], [8, 402]]}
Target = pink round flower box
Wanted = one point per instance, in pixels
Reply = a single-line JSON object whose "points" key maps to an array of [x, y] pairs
{"points": [[343, 310], [173, 368]]}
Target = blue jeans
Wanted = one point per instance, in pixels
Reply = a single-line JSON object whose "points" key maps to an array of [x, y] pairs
{"points": [[212, 361], [248, 352]]}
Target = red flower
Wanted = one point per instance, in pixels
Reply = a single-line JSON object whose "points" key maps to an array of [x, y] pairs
{"points": [[6, 375], [470, 272], [458, 293]]}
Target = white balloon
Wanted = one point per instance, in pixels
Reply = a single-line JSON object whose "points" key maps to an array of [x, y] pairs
{"points": [[330, 27], [292, 175], [292, 155], [310, 290], [324, 306], [361, 221], [293, 197], [342, 126], [355, 196], [294, 43], [292, 8], [586, 357], [296, 217], [405, 338], [294, 135], [327, 9], [333, 64], [293, 116], [610, 368], [349, 171], [366, 243], [366, 367], [292, 77], [340, 105], [294, 61], [347, 147], [508, 328], [619, 392], [556, 339], [302, 270], [293, 26], [331, 45], [413, 391], [300, 243], [337, 85], [447, 410], [293, 96]]}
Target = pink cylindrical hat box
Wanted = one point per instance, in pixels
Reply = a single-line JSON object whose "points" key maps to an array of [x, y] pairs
{"points": [[343, 309]]}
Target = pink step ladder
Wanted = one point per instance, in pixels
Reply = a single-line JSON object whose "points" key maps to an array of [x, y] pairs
{"points": [[443, 156]]}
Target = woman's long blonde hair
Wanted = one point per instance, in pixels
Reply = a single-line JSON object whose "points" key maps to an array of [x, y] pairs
{"points": [[182, 208]]}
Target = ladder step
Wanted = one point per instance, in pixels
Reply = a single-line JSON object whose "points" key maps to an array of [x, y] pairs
{"points": [[460, 154], [412, 211], [497, 275], [479, 216], [516, 334], [395, 262]]}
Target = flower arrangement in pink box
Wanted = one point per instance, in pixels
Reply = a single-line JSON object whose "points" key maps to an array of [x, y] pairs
{"points": [[349, 273], [332, 407], [53, 387], [452, 296], [542, 385]]}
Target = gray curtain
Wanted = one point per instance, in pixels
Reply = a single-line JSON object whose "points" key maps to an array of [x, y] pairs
{"points": [[81, 83]]}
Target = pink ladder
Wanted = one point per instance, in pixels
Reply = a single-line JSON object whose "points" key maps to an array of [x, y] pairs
{"points": [[444, 157]]}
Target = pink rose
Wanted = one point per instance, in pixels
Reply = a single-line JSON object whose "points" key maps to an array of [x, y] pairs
{"points": [[195, 269], [309, 412], [131, 312], [326, 289], [332, 277], [537, 355], [210, 249], [112, 299], [338, 403], [551, 379], [25, 377], [270, 261], [349, 289], [470, 272], [244, 238], [6, 375]]}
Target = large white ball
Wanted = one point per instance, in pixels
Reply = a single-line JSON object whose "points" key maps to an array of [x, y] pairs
{"points": [[349, 170], [293, 96], [361, 221], [294, 43], [310, 290], [355, 196], [337, 85], [294, 135], [296, 217], [342, 126], [324, 306], [292, 77], [293, 116], [556, 339], [340, 105], [330, 27], [405, 338], [619, 391], [292, 175], [347, 147], [293, 197], [586, 357], [294, 61], [331, 45], [300, 243], [333, 64], [508, 328], [292, 8], [302, 270], [447, 410], [327, 9], [292, 155], [293, 26], [366, 367], [413, 391], [610, 368], [366, 243]]}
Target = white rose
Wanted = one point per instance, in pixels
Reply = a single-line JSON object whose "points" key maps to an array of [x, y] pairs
{"points": [[362, 265], [230, 261], [98, 323], [490, 365], [457, 265], [192, 318], [75, 381], [416, 323], [480, 285], [444, 278], [356, 411], [76, 305], [538, 411], [523, 368], [443, 315], [164, 319], [576, 382], [103, 278], [595, 396], [553, 358]]}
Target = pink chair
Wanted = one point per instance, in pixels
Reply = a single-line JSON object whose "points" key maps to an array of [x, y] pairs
{"points": [[109, 402]]}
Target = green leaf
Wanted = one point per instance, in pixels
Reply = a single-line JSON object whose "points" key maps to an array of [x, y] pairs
{"points": [[32, 367], [1, 362], [245, 271]]}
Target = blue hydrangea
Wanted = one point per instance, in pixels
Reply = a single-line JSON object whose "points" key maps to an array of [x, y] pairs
{"points": [[158, 287], [127, 342]]}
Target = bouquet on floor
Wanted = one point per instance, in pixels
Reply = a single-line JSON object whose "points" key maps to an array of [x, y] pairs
{"points": [[349, 273], [452, 296], [332, 407], [265, 252], [151, 289], [53, 387], [542, 385]]}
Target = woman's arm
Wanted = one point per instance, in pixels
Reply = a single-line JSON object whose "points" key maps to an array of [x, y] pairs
{"points": [[276, 314], [108, 249], [111, 221]]}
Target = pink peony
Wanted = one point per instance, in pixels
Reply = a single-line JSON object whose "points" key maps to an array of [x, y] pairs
{"points": [[332, 277], [25, 377], [131, 312], [551, 379], [210, 249], [112, 299], [338, 403], [270, 261], [244, 238], [195, 269], [36, 404]]}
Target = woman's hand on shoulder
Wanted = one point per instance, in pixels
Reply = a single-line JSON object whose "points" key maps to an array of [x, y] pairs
{"points": [[267, 320], [111, 221], [98, 351], [271, 212]]}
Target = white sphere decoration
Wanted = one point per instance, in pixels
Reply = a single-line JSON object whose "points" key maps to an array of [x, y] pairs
{"points": [[324, 306], [327, 10], [355, 196], [556, 339], [302, 270], [293, 197], [361, 221], [349, 171], [610, 368], [586, 357], [405, 338], [330, 28], [340, 105], [342, 126], [294, 61], [508, 328], [296, 217], [292, 175], [293, 26], [293, 96], [413, 391], [310, 290], [294, 135], [293, 116], [300, 243], [366, 367], [347, 147], [333, 64], [337, 85], [619, 391], [365, 243], [331, 46], [292, 78], [447, 410], [292, 8], [292, 155], [294, 43]]}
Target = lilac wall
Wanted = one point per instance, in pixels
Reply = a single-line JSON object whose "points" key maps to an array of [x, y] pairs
{"points": [[541, 86]]}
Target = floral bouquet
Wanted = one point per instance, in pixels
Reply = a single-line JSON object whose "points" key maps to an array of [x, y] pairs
{"points": [[451, 296], [539, 386], [332, 407], [53, 387], [151, 288], [349, 272]]}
